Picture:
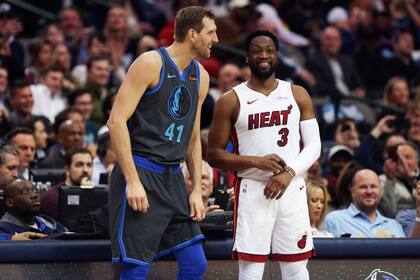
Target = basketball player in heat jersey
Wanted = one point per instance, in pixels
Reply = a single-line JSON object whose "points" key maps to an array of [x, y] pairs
{"points": [[267, 118], [154, 126]]}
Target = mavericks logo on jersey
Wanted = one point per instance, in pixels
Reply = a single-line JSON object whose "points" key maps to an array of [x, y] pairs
{"points": [[179, 102]]}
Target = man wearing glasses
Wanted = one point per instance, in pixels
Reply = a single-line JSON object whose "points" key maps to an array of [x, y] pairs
{"points": [[22, 220]]}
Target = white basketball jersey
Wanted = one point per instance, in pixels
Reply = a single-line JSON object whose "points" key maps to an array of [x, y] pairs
{"points": [[266, 125]]}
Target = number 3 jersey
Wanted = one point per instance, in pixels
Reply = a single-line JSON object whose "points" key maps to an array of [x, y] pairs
{"points": [[266, 125], [161, 125]]}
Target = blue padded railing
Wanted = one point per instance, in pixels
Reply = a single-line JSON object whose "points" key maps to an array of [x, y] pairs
{"points": [[44, 251]]}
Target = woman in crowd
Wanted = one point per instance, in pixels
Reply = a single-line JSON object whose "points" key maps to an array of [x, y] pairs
{"points": [[317, 195], [397, 93]]}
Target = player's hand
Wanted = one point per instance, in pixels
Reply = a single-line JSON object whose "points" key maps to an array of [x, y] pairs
{"points": [[28, 235], [136, 197], [277, 185], [197, 209], [271, 162]]}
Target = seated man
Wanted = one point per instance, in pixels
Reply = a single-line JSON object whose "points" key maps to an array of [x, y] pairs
{"points": [[23, 140], [410, 218], [361, 218], [399, 181], [78, 169], [22, 219], [206, 184], [70, 135], [9, 163]]}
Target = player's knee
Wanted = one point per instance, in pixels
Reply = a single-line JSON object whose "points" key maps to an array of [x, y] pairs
{"points": [[131, 271], [192, 262], [294, 270], [201, 265], [193, 270]]}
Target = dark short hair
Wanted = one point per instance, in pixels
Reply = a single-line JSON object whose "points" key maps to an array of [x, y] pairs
{"points": [[190, 17], [49, 69], [32, 121], [17, 85], [258, 33], [95, 58], [18, 130], [64, 116], [69, 155], [76, 93]]}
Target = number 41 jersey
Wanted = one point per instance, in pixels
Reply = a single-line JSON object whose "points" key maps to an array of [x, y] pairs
{"points": [[266, 125], [161, 125]]}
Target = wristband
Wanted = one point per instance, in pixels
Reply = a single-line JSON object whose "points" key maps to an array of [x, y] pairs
{"points": [[417, 219], [290, 171]]}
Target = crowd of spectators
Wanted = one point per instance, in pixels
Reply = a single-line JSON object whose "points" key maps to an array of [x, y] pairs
{"points": [[359, 60]]}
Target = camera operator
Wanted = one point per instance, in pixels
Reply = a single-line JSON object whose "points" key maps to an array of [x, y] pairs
{"points": [[372, 151]]}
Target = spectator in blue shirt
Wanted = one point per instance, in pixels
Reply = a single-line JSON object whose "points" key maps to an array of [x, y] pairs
{"points": [[22, 219], [361, 218], [410, 218]]}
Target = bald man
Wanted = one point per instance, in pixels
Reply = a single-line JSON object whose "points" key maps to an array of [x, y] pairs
{"points": [[361, 218]]}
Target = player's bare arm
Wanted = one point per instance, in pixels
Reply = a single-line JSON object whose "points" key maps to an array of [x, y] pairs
{"points": [[142, 74], [278, 184], [197, 208], [224, 117]]}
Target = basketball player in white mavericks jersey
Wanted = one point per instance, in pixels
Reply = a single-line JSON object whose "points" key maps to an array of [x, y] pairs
{"points": [[267, 119]]}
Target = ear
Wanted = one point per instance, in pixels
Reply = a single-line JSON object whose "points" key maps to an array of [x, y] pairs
{"points": [[246, 59], [67, 171], [192, 34], [352, 190], [9, 203]]}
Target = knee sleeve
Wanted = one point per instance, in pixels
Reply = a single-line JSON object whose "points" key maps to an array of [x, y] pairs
{"points": [[294, 270], [251, 270], [192, 262], [131, 271]]}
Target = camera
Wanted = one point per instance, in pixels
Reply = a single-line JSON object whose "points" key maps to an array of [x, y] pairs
{"points": [[398, 123]]}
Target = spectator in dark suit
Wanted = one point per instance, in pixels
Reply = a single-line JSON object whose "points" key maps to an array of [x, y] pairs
{"points": [[69, 136], [402, 63], [335, 73], [23, 139]]}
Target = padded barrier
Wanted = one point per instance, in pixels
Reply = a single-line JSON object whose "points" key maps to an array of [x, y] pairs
{"points": [[45, 251]]}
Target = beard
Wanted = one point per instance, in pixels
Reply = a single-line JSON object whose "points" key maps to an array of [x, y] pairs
{"points": [[262, 74]]}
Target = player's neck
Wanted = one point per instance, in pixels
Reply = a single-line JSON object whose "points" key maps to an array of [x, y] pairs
{"points": [[181, 54], [264, 86]]}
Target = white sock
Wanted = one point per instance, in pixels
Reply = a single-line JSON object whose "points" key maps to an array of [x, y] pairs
{"points": [[294, 270], [251, 270]]}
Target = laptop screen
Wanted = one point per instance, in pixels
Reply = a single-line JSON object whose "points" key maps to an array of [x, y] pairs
{"points": [[77, 204]]}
